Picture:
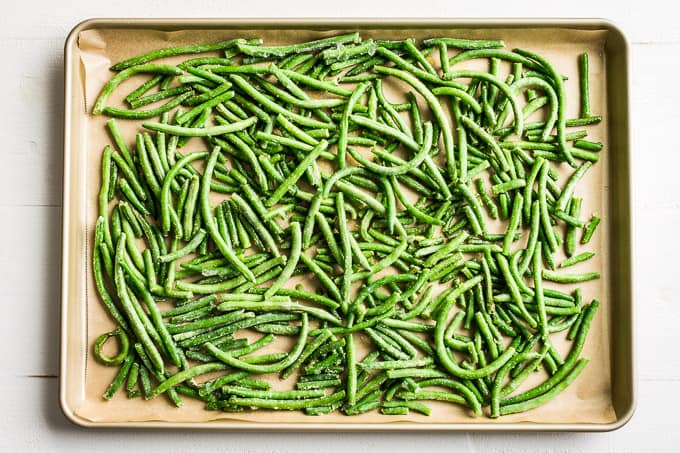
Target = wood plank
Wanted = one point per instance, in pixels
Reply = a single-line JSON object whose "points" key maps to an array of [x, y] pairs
{"points": [[31, 414], [30, 289], [30, 193], [32, 145]]}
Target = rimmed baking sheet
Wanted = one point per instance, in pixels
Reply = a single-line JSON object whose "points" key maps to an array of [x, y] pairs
{"points": [[603, 396]]}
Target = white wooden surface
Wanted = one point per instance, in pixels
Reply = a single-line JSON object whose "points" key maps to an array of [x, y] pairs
{"points": [[32, 34]]}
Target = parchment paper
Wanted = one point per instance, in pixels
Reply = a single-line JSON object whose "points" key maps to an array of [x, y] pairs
{"points": [[588, 400]]}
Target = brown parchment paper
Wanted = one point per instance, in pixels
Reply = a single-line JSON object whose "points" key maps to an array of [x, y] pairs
{"points": [[588, 400]]}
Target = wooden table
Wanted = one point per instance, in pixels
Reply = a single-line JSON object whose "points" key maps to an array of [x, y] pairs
{"points": [[32, 34]]}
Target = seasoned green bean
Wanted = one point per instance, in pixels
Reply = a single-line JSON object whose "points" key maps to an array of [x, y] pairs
{"points": [[201, 131], [590, 229], [172, 51], [125, 74], [336, 207]]}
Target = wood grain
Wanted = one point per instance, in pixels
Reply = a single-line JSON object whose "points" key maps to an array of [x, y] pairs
{"points": [[31, 37]]}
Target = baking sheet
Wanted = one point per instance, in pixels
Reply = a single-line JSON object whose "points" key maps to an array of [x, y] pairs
{"points": [[586, 401]]}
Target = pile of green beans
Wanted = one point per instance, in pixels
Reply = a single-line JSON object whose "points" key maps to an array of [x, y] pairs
{"points": [[397, 251]]}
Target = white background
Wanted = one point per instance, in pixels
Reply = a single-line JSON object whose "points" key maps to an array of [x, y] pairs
{"points": [[32, 35]]}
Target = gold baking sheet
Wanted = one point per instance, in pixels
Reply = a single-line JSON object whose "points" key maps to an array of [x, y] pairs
{"points": [[595, 401]]}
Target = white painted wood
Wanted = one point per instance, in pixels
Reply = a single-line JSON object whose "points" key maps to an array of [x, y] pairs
{"points": [[31, 39], [31, 421], [29, 289]]}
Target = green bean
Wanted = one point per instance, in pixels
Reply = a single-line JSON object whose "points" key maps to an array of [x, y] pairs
{"points": [[172, 51], [184, 375], [555, 390], [508, 186], [538, 290], [465, 43], [552, 98], [411, 68], [154, 158], [201, 131], [143, 114], [433, 395], [346, 253], [505, 89], [143, 88], [267, 403], [125, 74], [441, 269], [474, 206], [278, 305], [130, 196], [307, 353], [418, 55], [561, 103], [410, 207], [344, 123], [382, 230], [484, 330], [577, 259], [217, 383], [389, 260], [140, 102], [551, 241], [472, 400], [568, 190], [124, 347], [389, 111], [222, 333], [136, 324], [322, 276], [590, 229], [569, 278], [588, 145], [108, 188], [130, 175], [133, 393], [198, 113], [250, 215], [270, 368], [282, 395], [313, 104], [167, 183], [291, 263], [209, 220], [120, 141], [488, 140], [125, 371], [569, 363], [436, 111], [459, 94], [584, 82], [99, 277], [244, 104], [157, 326], [398, 364], [312, 297], [296, 131], [448, 362], [199, 303], [399, 410], [385, 345], [351, 387], [285, 186], [190, 207], [243, 84], [515, 220], [310, 46], [400, 169]]}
